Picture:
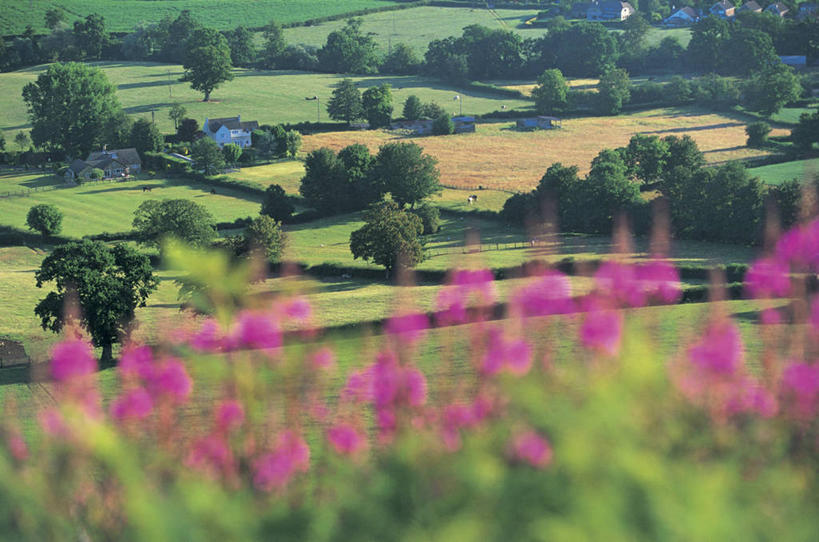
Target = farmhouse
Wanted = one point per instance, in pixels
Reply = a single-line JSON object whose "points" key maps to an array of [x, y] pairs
{"points": [[463, 124], [115, 163], [722, 9], [230, 130], [779, 9], [751, 6], [682, 17], [541, 122], [610, 11]]}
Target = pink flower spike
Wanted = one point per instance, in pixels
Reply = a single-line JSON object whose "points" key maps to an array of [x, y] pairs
{"points": [[137, 361], [16, 444], [770, 317], [532, 449], [408, 327], [257, 330], [548, 294], [323, 358], [359, 387], [72, 358], [229, 415], [275, 469], [211, 455], [619, 282], [800, 383], [135, 404], [660, 280], [173, 381], [602, 330], [720, 349], [298, 308], [768, 278], [346, 439], [416, 386], [209, 338]]}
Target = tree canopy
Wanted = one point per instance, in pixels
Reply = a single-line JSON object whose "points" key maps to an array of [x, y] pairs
{"points": [[276, 203], [551, 94], [345, 103], [349, 51], [180, 218], [389, 237], [207, 61], [69, 106], [45, 218], [403, 170], [109, 283], [377, 104], [207, 155]]}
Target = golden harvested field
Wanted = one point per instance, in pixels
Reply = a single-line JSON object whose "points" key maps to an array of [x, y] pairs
{"points": [[499, 157]]}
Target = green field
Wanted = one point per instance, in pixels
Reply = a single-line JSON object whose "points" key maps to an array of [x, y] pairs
{"points": [[804, 170], [123, 15], [287, 174], [270, 97], [109, 207], [418, 26]]}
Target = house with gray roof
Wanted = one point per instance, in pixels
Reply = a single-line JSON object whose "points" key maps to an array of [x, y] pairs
{"points": [[779, 9], [230, 130], [610, 11], [682, 17], [751, 6], [722, 9], [115, 163]]}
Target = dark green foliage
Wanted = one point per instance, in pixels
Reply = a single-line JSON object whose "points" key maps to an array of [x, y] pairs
{"points": [[646, 157], [323, 186], [276, 203], [292, 143], [207, 61], [145, 136], [265, 237], [90, 36], [389, 237], [405, 172], [770, 89], [413, 108], [432, 110], [69, 105], [787, 199], [606, 192], [45, 218], [806, 133], [430, 217], [683, 154], [349, 51], [614, 90], [242, 50], [207, 156], [274, 45], [443, 125], [402, 60], [579, 50], [705, 50], [176, 114], [108, 283], [551, 94], [183, 219], [520, 209], [491, 53], [175, 38], [231, 152], [187, 129], [446, 60], [117, 130], [757, 133], [345, 103], [22, 140], [377, 104], [54, 17], [96, 174], [716, 92], [264, 142]]}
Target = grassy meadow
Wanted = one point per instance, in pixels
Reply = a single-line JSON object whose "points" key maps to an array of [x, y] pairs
{"points": [[123, 15], [471, 160], [109, 207], [804, 170], [270, 97], [418, 26]]}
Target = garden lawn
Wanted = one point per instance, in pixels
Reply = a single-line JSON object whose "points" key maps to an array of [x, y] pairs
{"points": [[123, 15], [109, 207], [803, 170], [270, 97], [498, 156], [287, 174], [21, 180]]}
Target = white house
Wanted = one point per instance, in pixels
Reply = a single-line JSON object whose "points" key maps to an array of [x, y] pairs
{"points": [[610, 11], [230, 130]]}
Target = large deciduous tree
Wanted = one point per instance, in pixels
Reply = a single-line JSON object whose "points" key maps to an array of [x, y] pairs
{"points": [[389, 237], [276, 203], [405, 172], [207, 156], [771, 89], [108, 283], [377, 104], [207, 61], [69, 106], [345, 102], [184, 219], [323, 186], [349, 51], [45, 218], [145, 136], [614, 90], [551, 94], [274, 45]]}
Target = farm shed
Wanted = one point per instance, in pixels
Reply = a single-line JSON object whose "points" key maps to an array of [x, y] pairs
{"points": [[541, 122], [419, 127], [463, 124]]}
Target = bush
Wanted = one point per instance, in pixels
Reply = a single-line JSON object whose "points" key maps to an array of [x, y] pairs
{"points": [[757, 133], [443, 125], [430, 217], [96, 174], [276, 203]]}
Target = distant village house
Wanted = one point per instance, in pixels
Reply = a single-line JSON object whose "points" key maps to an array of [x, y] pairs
{"points": [[230, 130], [751, 6], [113, 163], [722, 9], [682, 17], [610, 11], [779, 9]]}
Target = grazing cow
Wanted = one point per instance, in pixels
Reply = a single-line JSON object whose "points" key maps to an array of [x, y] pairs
{"points": [[472, 199], [146, 188]]}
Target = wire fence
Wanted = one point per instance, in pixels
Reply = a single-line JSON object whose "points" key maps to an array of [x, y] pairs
{"points": [[23, 192], [487, 247]]}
